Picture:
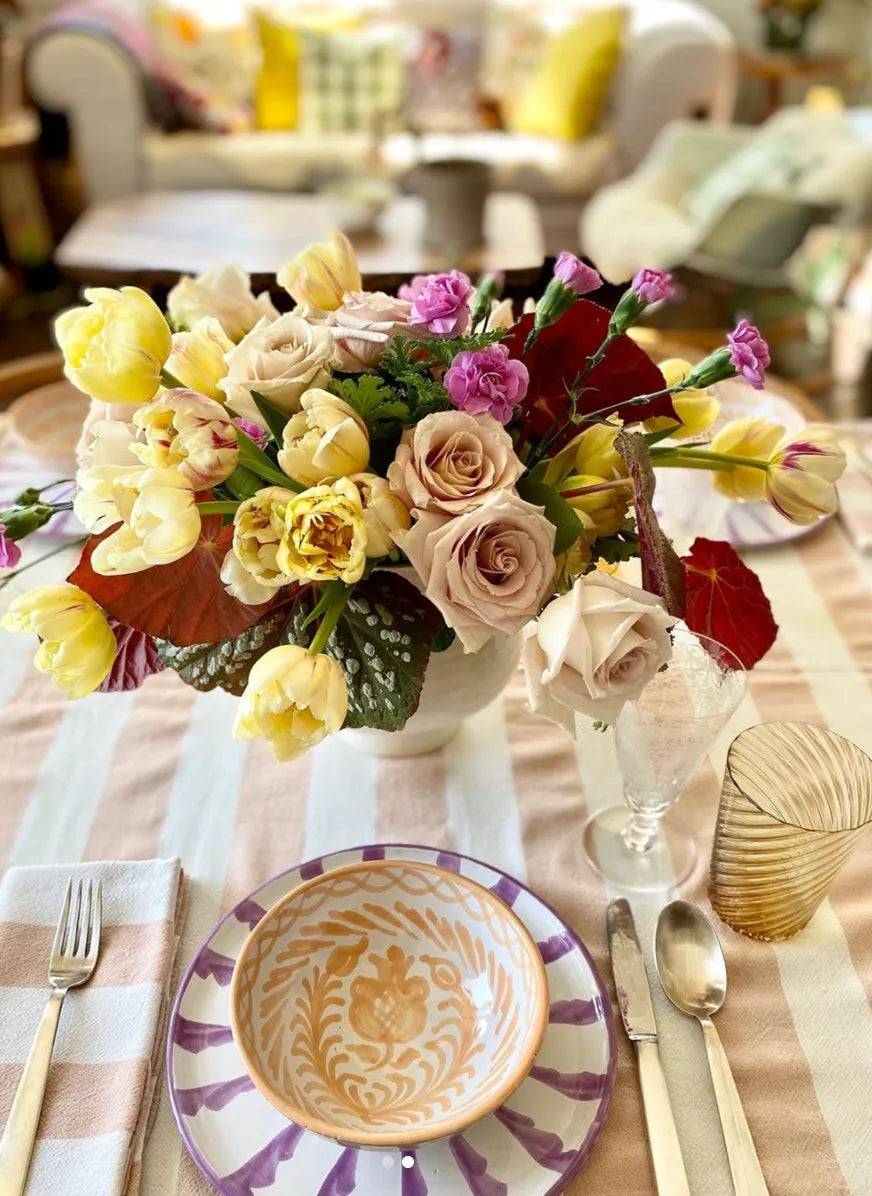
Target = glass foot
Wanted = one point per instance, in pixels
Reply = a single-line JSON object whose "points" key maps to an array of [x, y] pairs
{"points": [[667, 863]]}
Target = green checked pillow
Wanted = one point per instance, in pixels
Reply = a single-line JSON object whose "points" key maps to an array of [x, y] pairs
{"points": [[350, 81]]}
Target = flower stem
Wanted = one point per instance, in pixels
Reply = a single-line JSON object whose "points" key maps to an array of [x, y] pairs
{"points": [[331, 618], [217, 508], [45, 556], [170, 381], [703, 455], [617, 484]]}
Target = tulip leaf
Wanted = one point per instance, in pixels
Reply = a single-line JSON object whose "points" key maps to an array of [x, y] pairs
{"points": [[383, 643], [225, 665], [254, 458], [274, 417], [243, 483], [557, 511]]}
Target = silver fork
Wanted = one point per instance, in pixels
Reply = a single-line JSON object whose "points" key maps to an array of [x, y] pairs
{"points": [[73, 959]]}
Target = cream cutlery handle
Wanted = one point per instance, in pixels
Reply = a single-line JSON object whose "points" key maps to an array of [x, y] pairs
{"points": [[662, 1135], [19, 1136], [744, 1165]]}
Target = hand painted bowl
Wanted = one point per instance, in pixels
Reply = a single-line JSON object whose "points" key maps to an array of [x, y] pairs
{"points": [[389, 1003]]}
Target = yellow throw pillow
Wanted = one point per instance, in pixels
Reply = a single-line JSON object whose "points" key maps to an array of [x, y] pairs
{"points": [[568, 93], [276, 94]]}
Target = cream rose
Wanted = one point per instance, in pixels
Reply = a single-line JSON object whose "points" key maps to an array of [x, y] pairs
{"points": [[223, 292], [452, 462], [594, 649], [487, 570], [363, 327], [281, 360]]}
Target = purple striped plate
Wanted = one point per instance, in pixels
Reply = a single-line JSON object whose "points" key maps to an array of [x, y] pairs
{"points": [[531, 1146]]}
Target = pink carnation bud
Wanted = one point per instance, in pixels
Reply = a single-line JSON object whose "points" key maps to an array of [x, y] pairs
{"points": [[10, 553], [652, 286], [487, 382], [576, 275], [253, 431], [440, 301], [749, 353]]}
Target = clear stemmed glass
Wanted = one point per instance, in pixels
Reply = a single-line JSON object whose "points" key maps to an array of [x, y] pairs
{"points": [[661, 739]]}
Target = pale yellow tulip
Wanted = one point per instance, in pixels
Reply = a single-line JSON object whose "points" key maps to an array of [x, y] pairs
{"points": [[325, 536], [78, 647], [322, 274], [293, 699], [326, 440], [605, 505], [803, 468], [258, 528], [384, 513], [161, 525], [591, 453], [184, 430], [114, 349], [696, 410], [198, 357], [750, 437]]}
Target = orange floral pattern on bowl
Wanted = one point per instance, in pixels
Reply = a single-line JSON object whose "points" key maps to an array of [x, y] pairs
{"points": [[389, 1003]]}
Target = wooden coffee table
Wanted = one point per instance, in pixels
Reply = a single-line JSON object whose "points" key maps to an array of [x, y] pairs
{"points": [[149, 240]]}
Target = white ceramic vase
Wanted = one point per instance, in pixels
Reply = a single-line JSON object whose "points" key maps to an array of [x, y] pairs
{"points": [[456, 685]]}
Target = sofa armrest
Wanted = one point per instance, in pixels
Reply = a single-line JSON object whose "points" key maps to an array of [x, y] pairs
{"points": [[97, 86], [686, 151], [680, 63]]}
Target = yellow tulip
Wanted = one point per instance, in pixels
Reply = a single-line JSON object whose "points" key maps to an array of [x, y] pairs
{"points": [[320, 275], [592, 452], [78, 647], [384, 513], [186, 431], [197, 359], [161, 524], [749, 437], [114, 349], [696, 409], [258, 528], [325, 535], [803, 468], [103, 492], [327, 439], [605, 505], [293, 699]]}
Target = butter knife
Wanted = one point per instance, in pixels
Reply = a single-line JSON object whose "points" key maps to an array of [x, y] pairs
{"points": [[637, 1013]]}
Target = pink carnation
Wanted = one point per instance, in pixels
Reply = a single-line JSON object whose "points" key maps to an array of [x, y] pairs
{"points": [[576, 275], [10, 553], [441, 301], [253, 431], [749, 353], [652, 286], [487, 382]]}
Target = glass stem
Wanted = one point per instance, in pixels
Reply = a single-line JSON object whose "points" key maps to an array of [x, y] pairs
{"points": [[641, 830]]}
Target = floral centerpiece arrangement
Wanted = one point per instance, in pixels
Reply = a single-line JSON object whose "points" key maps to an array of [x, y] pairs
{"points": [[301, 508]]}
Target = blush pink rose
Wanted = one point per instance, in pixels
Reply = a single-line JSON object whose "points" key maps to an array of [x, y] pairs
{"points": [[363, 327], [452, 461], [487, 571]]}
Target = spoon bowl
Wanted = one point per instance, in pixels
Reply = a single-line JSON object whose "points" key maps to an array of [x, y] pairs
{"points": [[690, 962]]}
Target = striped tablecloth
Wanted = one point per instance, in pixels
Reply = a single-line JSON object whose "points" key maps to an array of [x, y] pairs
{"points": [[156, 773]]}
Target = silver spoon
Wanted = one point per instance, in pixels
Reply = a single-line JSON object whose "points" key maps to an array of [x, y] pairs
{"points": [[693, 972]]}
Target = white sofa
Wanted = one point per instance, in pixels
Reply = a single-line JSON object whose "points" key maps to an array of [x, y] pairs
{"points": [[679, 62]]}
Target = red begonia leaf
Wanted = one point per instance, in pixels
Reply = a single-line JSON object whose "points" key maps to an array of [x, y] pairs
{"points": [[560, 355], [726, 601], [135, 659], [662, 569], [184, 602]]}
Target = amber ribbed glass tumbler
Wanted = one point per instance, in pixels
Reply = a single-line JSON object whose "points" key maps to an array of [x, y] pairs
{"points": [[794, 801]]}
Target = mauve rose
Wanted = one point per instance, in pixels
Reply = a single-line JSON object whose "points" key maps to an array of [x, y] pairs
{"points": [[576, 275], [440, 302], [593, 649], [280, 359], [451, 462], [363, 327], [749, 353], [487, 382], [486, 571]]}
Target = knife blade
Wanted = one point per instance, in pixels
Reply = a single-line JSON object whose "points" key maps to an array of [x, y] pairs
{"points": [[637, 1014]]}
